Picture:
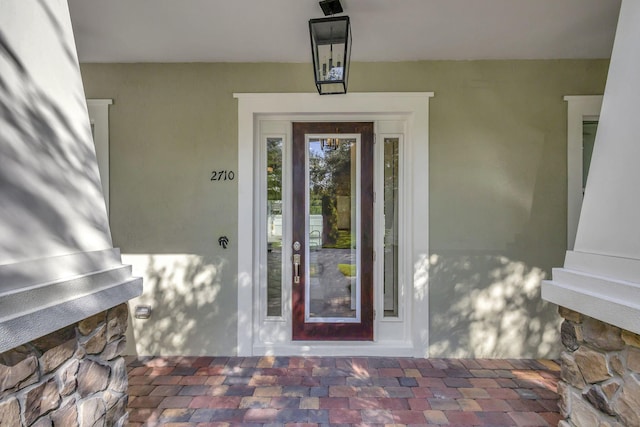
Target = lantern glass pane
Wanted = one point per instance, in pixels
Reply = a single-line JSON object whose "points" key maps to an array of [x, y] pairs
{"points": [[328, 88], [330, 62]]}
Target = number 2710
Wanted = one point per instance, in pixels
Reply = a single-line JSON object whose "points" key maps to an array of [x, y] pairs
{"points": [[222, 175]]}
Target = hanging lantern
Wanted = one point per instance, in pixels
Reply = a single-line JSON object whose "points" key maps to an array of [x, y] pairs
{"points": [[331, 50]]}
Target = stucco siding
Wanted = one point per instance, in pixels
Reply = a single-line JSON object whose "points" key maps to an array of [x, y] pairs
{"points": [[497, 193]]}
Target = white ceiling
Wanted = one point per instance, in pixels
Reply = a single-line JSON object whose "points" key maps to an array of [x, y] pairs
{"points": [[383, 30]]}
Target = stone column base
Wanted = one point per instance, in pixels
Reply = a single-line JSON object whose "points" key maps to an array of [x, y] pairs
{"points": [[600, 372], [72, 377]]}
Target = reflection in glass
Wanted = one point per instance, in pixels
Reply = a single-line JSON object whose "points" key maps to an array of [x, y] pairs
{"points": [[274, 226], [391, 176], [332, 287]]}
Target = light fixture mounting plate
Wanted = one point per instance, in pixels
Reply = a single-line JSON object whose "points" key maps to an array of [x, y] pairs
{"points": [[331, 7]]}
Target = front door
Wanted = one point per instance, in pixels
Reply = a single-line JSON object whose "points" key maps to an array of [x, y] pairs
{"points": [[332, 235]]}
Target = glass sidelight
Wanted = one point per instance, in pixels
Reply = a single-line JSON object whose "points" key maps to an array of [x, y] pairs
{"points": [[274, 225], [391, 188]]}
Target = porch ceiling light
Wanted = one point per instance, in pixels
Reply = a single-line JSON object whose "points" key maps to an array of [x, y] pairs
{"points": [[331, 49]]}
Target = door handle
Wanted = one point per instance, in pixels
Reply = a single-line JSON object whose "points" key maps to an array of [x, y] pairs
{"points": [[296, 268]]}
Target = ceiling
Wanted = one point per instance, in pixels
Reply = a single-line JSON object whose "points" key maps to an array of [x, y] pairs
{"points": [[383, 30]]}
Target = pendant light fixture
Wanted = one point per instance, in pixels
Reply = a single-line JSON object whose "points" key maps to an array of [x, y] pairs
{"points": [[331, 49]]}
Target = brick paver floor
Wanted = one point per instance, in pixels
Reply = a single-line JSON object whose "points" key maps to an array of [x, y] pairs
{"points": [[319, 391]]}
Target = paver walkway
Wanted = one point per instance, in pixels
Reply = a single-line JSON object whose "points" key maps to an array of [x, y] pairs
{"points": [[318, 391]]}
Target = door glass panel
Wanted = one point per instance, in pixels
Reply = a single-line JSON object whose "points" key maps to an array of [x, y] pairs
{"points": [[332, 271], [391, 177], [274, 226]]}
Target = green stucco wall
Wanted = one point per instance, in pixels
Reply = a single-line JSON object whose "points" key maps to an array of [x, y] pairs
{"points": [[497, 192]]}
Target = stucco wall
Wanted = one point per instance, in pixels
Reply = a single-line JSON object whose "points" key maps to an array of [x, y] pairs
{"points": [[497, 194]]}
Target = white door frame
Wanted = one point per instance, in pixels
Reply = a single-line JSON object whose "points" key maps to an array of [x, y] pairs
{"points": [[414, 108]]}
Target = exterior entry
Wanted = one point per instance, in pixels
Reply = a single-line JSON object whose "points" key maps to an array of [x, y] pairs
{"points": [[333, 234]]}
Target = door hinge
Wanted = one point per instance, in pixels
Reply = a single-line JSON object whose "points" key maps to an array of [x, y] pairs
{"points": [[374, 255], [374, 314]]}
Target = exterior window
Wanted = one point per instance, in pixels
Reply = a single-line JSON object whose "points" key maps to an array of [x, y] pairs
{"points": [[589, 129]]}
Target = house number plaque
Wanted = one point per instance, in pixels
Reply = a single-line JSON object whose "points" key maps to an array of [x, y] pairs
{"points": [[223, 175]]}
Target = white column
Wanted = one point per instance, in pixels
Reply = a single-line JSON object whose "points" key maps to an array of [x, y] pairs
{"points": [[601, 276], [57, 263]]}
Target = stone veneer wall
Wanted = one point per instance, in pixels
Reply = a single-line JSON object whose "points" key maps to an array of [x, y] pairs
{"points": [[72, 377], [600, 373]]}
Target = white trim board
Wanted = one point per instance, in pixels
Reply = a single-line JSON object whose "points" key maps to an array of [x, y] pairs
{"points": [[412, 107], [43, 296], [599, 286]]}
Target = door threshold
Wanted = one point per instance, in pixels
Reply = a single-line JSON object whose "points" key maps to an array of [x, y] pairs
{"points": [[343, 349]]}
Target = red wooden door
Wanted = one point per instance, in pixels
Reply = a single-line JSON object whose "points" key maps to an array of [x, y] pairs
{"points": [[332, 258]]}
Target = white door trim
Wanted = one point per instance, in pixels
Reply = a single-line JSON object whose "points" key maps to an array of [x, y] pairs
{"points": [[579, 109], [354, 106]]}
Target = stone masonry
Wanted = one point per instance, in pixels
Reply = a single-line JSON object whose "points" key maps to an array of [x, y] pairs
{"points": [[73, 377], [600, 373]]}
